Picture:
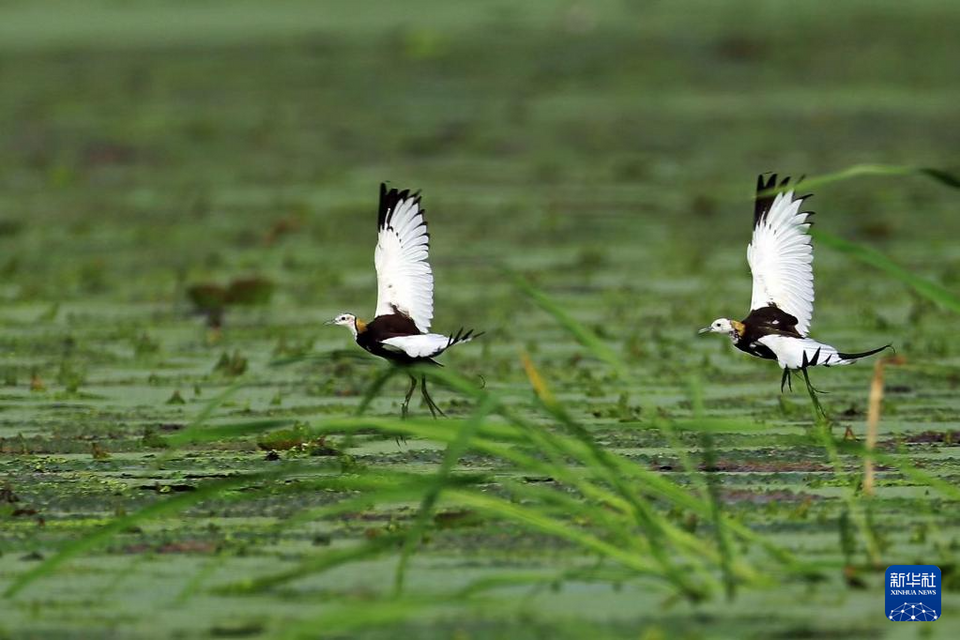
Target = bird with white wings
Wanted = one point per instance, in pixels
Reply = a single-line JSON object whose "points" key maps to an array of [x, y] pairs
{"points": [[400, 330], [781, 261]]}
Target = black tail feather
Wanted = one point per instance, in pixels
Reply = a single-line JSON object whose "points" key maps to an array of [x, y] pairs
{"points": [[460, 336], [864, 354]]}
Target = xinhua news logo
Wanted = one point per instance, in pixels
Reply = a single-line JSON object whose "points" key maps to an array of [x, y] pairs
{"points": [[913, 593]]}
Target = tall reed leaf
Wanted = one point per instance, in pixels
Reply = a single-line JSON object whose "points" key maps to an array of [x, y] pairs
{"points": [[600, 349], [939, 175], [451, 456], [927, 288]]}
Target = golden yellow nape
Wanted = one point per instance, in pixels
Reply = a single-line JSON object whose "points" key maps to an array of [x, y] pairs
{"points": [[738, 327], [361, 325]]}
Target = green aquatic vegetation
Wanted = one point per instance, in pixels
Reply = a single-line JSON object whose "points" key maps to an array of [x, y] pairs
{"points": [[599, 348], [117, 525], [232, 365], [928, 289], [645, 477], [658, 532]]}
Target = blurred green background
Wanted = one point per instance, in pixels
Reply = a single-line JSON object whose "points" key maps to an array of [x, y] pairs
{"points": [[606, 150]]}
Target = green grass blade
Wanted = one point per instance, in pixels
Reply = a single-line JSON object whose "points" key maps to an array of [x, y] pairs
{"points": [[597, 347], [451, 456], [928, 289], [536, 520], [199, 433], [374, 389], [907, 468], [939, 175], [654, 526], [102, 535], [652, 483], [356, 616], [316, 564]]}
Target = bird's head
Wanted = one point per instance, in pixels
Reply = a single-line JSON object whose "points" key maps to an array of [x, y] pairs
{"points": [[731, 328], [347, 320], [344, 318]]}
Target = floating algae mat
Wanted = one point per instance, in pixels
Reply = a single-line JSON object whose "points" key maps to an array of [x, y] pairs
{"points": [[187, 193]]}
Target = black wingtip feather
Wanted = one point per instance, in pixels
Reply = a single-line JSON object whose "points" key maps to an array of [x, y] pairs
{"points": [[382, 210], [816, 357], [389, 199], [767, 191], [765, 195], [462, 335]]}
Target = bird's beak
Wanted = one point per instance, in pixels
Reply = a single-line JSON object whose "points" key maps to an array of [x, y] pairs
{"points": [[330, 322], [704, 330]]}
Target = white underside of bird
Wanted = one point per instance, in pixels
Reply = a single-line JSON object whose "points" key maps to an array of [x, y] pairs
{"points": [[425, 345], [795, 353]]}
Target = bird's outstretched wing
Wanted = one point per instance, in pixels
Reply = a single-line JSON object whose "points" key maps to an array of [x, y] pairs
{"points": [[780, 253], [429, 344], [404, 277]]}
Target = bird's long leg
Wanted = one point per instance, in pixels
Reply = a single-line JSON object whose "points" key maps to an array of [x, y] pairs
{"points": [[403, 408], [813, 387], [785, 380], [406, 399], [434, 409], [813, 396]]}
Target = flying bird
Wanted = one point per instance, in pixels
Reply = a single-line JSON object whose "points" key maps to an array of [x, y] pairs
{"points": [[400, 330], [781, 261]]}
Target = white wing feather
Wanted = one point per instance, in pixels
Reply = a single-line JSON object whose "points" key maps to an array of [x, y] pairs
{"points": [[404, 276], [781, 260], [790, 352], [421, 346]]}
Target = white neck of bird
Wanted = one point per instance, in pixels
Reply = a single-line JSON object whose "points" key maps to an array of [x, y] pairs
{"points": [[353, 328]]}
